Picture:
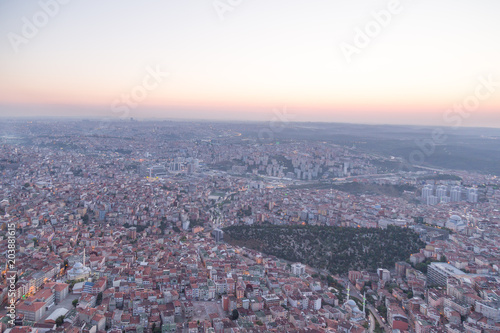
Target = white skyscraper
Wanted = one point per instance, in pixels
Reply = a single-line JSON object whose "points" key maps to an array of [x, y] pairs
{"points": [[441, 191], [298, 269], [432, 200], [472, 195], [427, 191], [444, 199], [456, 194]]}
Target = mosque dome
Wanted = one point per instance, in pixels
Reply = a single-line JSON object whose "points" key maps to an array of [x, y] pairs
{"points": [[351, 303]]}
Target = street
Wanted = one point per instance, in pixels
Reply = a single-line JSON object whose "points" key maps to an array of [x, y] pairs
{"points": [[66, 303], [372, 323]]}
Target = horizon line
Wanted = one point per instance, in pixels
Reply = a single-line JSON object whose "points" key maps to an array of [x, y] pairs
{"points": [[215, 120]]}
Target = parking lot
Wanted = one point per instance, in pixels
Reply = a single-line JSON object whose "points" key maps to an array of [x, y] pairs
{"points": [[66, 303], [201, 310]]}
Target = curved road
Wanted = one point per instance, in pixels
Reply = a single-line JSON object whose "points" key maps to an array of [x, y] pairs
{"points": [[372, 323]]}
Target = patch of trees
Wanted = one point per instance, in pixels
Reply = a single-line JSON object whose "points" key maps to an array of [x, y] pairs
{"points": [[441, 177], [59, 321], [235, 314], [422, 266], [99, 299], [336, 249], [244, 212], [382, 310], [378, 329], [357, 188]]}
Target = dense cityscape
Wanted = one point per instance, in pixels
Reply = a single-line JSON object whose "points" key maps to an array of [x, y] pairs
{"points": [[172, 226], [236, 166]]}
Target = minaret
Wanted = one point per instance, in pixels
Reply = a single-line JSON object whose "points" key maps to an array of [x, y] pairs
{"points": [[83, 257], [348, 291]]}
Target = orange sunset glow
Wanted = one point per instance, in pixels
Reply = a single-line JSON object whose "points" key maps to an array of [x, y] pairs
{"points": [[323, 60]]}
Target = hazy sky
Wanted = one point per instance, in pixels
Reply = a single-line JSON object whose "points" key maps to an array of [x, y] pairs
{"points": [[240, 59]]}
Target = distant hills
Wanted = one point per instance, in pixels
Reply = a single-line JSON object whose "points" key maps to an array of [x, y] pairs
{"points": [[463, 148]]}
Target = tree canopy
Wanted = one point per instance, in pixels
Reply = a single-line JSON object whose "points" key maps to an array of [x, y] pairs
{"points": [[336, 249]]}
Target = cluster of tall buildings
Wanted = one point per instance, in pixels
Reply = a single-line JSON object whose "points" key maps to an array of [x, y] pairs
{"points": [[433, 195], [190, 165]]}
